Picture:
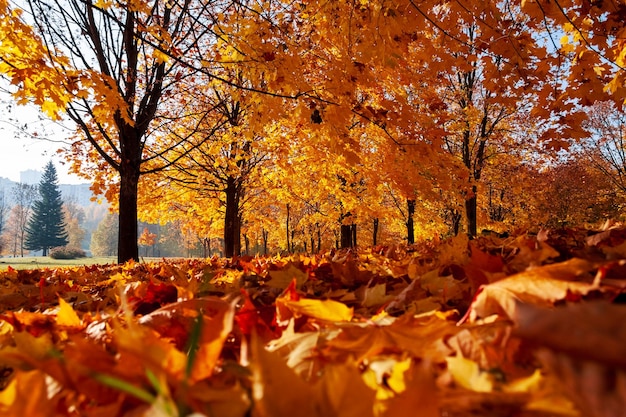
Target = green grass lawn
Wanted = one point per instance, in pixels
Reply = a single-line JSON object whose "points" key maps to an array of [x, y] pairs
{"points": [[34, 262]]}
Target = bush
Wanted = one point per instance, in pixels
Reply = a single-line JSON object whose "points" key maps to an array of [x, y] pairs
{"points": [[65, 252]]}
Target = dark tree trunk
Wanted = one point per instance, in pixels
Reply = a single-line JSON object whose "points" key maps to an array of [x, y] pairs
{"points": [[265, 235], [346, 236], [375, 233], [456, 222], [127, 243], [410, 226], [247, 243], [237, 236], [231, 219], [206, 245], [471, 204], [287, 227], [319, 238]]}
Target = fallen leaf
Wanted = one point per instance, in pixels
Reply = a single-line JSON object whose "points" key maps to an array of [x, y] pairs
{"points": [[33, 386], [468, 374], [363, 341], [542, 285], [277, 391], [328, 310], [590, 330], [420, 393], [283, 277], [341, 392], [67, 317]]}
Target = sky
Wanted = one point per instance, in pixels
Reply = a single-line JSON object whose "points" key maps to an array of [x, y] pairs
{"points": [[20, 151]]}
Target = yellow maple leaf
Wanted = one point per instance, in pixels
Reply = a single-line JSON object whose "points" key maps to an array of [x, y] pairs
{"points": [[160, 56], [566, 46], [329, 310], [282, 278], [66, 316], [468, 374]]}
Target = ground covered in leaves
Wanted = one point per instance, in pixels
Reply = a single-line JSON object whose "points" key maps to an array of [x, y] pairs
{"points": [[525, 325]]}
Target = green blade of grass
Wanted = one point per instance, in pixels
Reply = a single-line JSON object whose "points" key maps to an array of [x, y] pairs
{"points": [[124, 386], [193, 344]]}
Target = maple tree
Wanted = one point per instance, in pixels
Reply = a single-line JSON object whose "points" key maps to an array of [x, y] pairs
{"points": [[605, 146], [113, 67], [224, 166], [354, 81], [147, 239], [576, 194]]}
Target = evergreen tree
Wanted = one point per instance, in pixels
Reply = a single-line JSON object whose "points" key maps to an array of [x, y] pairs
{"points": [[46, 228]]}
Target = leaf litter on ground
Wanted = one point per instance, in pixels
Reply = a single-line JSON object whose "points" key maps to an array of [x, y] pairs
{"points": [[530, 325]]}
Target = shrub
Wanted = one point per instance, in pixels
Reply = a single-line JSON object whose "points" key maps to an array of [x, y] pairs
{"points": [[65, 252]]}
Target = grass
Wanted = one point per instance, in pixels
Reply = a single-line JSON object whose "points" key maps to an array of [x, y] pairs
{"points": [[35, 262]]}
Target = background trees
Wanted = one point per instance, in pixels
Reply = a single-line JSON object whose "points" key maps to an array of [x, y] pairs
{"points": [[23, 196], [605, 148], [4, 210], [104, 239], [46, 227], [74, 216]]}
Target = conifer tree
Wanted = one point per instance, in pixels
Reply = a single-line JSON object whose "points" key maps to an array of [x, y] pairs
{"points": [[46, 228]]}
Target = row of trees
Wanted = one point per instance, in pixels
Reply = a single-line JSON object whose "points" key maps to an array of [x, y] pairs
{"points": [[38, 219], [584, 189], [324, 114]]}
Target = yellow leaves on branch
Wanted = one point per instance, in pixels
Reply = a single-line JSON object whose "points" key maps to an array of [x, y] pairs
{"points": [[26, 63]]}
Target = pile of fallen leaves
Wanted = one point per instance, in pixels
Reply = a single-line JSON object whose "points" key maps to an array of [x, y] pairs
{"points": [[517, 326]]}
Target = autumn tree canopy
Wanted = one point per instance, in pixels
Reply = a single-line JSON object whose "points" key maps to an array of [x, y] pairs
{"points": [[414, 99]]}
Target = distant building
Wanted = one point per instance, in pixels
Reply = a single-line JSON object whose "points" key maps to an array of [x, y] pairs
{"points": [[78, 193], [30, 176]]}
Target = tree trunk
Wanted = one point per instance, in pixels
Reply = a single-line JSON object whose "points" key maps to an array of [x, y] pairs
{"points": [[319, 238], [206, 244], [288, 247], [410, 226], [22, 243], [230, 218], [237, 236], [471, 204], [346, 236], [375, 233], [265, 235], [127, 244]]}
